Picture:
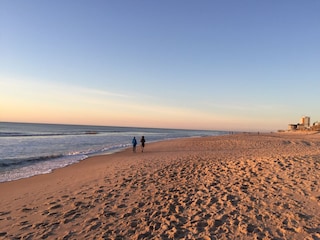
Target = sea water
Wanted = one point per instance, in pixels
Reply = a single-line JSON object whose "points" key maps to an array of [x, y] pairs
{"points": [[28, 149]]}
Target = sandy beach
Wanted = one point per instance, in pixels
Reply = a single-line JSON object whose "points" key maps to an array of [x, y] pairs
{"points": [[243, 186]]}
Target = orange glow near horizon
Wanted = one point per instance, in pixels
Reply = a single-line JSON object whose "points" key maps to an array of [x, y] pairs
{"points": [[44, 103]]}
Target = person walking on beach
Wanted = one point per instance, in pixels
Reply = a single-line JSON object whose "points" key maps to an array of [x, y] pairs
{"points": [[143, 140], [134, 144]]}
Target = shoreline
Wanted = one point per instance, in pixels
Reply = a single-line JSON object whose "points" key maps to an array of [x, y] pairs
{"points": [[41, 157], [231, 186]]}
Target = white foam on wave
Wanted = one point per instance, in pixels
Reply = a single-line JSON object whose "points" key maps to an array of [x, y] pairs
{"points": [[48, 166], [39, 168]]}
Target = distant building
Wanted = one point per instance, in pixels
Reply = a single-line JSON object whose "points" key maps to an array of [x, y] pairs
{"points": [[305, 121], [303, 125], [315, 126], [292, 126]]}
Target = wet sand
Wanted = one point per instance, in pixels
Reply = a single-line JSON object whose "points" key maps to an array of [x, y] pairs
{"points": [[243, 186]]}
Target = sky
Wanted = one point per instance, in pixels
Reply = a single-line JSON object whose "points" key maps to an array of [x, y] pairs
{"points": [[217, 65]]}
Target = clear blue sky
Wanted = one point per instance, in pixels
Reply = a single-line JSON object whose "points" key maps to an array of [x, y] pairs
{"points": [[231, 65]]}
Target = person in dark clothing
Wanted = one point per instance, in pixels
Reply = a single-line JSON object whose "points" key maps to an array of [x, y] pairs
{"points": [[143, 140]]}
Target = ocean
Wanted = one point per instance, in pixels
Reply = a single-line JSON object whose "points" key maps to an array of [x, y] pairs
{"points": [[28, 149]]}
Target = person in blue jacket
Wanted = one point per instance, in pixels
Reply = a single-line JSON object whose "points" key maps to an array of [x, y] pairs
{"points": [[134, 144]]}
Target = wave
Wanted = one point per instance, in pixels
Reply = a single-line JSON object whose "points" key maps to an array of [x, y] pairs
{"points": [[38, 168], [7, 163], [10, 163], [18, 134]]}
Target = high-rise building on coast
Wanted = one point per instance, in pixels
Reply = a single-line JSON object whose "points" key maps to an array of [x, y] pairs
{"points": [[305, 121], [303, 125]]}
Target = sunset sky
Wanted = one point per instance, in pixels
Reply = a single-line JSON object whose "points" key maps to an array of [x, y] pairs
{"points": [[218, 65]]}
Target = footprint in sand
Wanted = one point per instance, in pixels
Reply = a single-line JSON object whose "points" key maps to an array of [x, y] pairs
{"points": [[2, 214], [26, 209], [56, 206]]}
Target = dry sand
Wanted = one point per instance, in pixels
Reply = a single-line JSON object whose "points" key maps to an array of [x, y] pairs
{"points": [[228, 187]]}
